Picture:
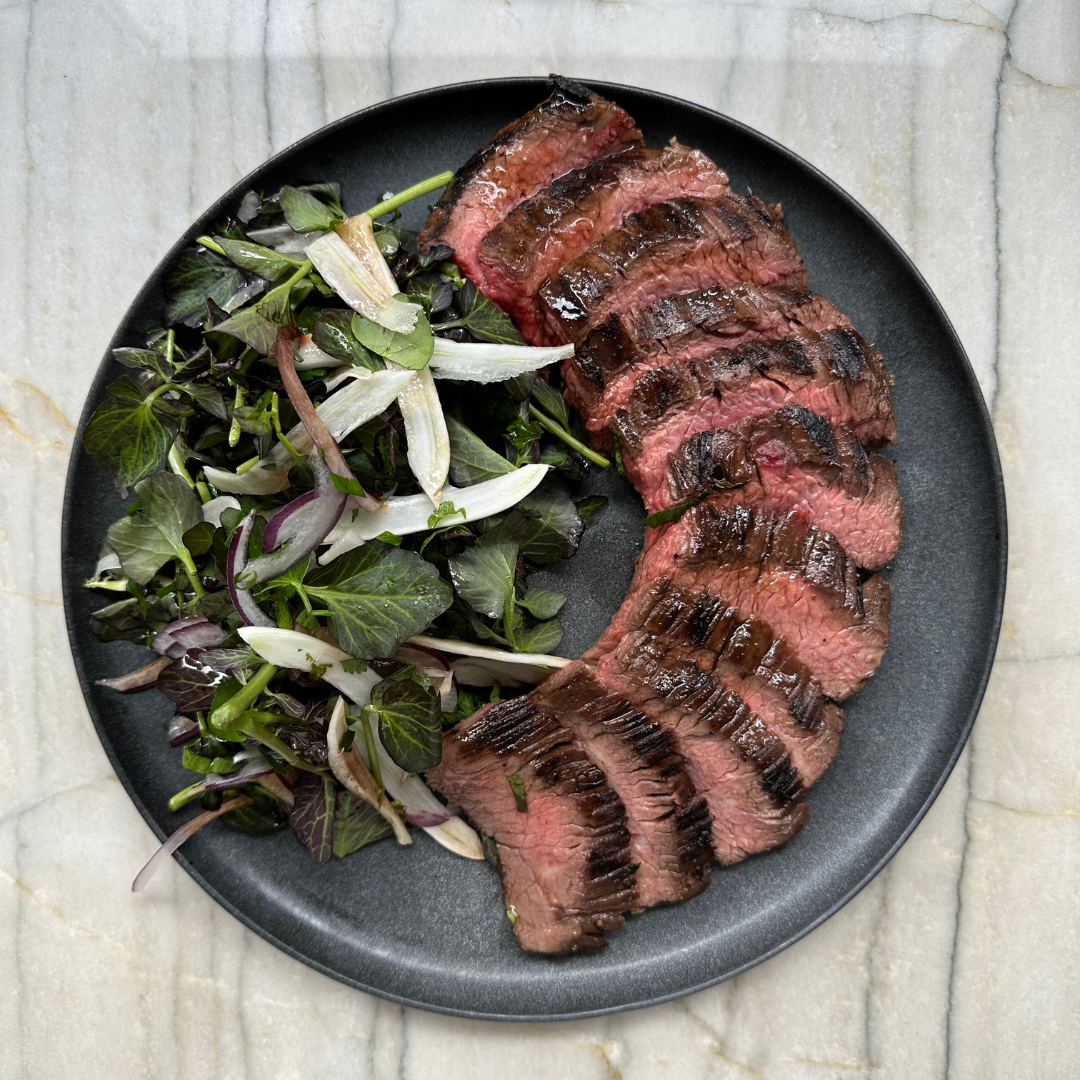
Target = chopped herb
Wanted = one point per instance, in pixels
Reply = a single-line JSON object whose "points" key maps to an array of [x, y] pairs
{"points": [[517, 786]]}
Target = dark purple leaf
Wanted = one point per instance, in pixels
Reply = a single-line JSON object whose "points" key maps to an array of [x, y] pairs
{"points": [[312, 816], [191, 682]]}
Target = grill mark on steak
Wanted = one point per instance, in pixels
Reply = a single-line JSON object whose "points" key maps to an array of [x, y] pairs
{"points": [[670, 248], [794, 576], [812, 361], [670, 831], [565, 862], [745, 656], [787, 460], [571, 128], [669, 403], [556, 224], [754, 794]]}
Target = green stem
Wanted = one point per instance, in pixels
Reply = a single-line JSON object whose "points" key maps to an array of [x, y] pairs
{"points": [[369, 742], [170, 345], [224, 717], [208, 243], [189, 794], [248, 465], [109, 586], [176, 463], [164, 388], [193, 575], [234, 427], [410, 193], [275, 419], [250, 726], [561, 433]]}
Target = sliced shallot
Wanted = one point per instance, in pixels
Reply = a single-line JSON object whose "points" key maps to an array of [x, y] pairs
{"points": [[235, 564], [140, 679], [468, 361], [426, 434]]}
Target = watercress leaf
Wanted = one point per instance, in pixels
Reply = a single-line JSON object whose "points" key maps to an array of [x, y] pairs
{"points": [[378, 596], [356, 824], [329, 191], [331, 330], [483, 319], [549, 400], [199, 538], [208, 398], [553, 530], [591, 509], [390, 538], [543, 603], [432, 291], [152, 536], [412, 350], [127, 389], [304, 212], [264, 261], [544, 637], [145, 359], [197, 276], [471, 459], [483, 576], [263, 814], [410, 722], [312, 815], [572, 466], [349, 485], [129, 438], [254, 326]]}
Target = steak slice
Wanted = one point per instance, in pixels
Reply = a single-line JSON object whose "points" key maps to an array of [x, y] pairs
{"points": [[546, 231], [833, 374], [565, 861], [794, 576], [754, 794], [790, 459], [669, 248], [746, 657], [571, 128], [614, 356], [670, 831]]}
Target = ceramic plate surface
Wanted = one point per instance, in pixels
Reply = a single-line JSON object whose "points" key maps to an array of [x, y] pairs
{"points": [[424, 928]]}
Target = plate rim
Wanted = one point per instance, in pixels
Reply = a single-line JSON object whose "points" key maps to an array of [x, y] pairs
{"points": [[611, 89]]}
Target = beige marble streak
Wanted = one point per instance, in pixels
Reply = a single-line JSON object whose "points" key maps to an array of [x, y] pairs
{"points": [[120, 122]]}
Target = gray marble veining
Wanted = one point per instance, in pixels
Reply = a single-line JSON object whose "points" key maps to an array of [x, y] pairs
{"points": [[956, 123]]}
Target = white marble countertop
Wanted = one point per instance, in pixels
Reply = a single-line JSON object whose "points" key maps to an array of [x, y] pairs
{"points": [[956, 123]]}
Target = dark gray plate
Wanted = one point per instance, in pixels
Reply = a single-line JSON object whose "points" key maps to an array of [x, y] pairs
{"points": [[423, 928]]}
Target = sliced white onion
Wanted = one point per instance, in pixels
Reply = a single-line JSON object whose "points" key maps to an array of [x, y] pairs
{"points": [[425, 433], [364, 398], [353, 774], [212, 510], [470, 671], [486, 363], [355, 269], [291, 649], [283, 238], [309, 355], [405, 514], [486, 652], [109, 561]]}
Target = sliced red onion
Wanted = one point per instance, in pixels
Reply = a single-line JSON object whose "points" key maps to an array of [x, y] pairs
{"points": [[298, 528], [277, 787], [252, 766], [235, 564], [181, 729], [193, 632], [185, 832], [435, 667], [141, 679], [425, 819]]}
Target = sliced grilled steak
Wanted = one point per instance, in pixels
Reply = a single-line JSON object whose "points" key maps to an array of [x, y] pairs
{"points": [[746, 657], [670, 248], [832, 374], [670, 832], [754, 794], [790, 459], [558, 223], [571, 128], [565, 859], [794, 576], [614, 356]]}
